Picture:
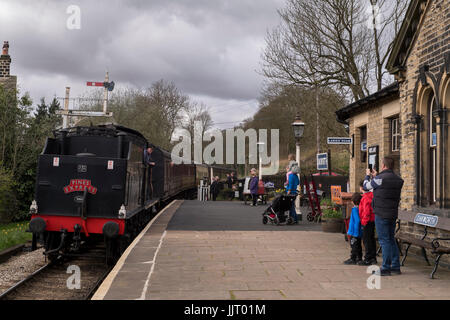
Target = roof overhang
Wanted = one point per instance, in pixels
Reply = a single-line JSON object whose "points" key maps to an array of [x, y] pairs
{"points": [[386, 94]]}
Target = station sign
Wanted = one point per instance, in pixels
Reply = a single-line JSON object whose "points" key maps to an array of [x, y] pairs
{"points": [[322, 161], [364, 146], [339, 140], [426, 220]]}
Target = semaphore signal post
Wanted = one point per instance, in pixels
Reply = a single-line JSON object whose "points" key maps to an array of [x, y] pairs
{"points": [[66, 112]]}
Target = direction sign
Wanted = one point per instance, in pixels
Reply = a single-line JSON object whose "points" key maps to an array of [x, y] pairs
{"points": [[322, 161], [339, 140]]}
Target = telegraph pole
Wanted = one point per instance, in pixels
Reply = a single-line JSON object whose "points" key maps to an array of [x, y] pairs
{"points": [[105, 95], [66, 109]]}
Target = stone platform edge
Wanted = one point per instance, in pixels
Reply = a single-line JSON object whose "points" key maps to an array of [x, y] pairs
{"points": [[106, 284]]}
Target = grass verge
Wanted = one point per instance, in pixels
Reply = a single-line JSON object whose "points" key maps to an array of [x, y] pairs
{"points": [[12, 234]]}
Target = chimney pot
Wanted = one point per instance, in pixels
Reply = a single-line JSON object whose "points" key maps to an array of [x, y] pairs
{"points": [[5, 48]]}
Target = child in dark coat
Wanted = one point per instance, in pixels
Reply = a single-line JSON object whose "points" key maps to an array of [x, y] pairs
{"points": [[355, 232]]}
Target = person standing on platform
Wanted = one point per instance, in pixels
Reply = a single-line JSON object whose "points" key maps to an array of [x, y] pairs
{"points": [[150, 162], [253, 186], [291, 190], [387, 188], [215, 188], [232, 185], [229, 182]]}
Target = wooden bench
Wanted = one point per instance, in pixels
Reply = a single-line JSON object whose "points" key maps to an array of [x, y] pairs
{"points": [[436, 245]]}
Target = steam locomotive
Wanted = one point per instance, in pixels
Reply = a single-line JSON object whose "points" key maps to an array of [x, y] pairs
{"points": [[92, 184]]}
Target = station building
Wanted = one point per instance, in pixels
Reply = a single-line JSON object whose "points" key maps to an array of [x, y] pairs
{"points": [[408, 120]]}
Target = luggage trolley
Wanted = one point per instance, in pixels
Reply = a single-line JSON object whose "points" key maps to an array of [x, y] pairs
{"points": [[313, 199]]}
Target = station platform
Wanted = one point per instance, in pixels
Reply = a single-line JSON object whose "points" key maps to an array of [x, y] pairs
{"points": [[222, 251]]}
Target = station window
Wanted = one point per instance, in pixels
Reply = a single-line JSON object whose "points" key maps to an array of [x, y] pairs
{"points": [[432, 148], [363, 135], [395, 134]]}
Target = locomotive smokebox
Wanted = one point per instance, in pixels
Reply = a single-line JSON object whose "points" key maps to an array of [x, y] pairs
{"points": [[37, 225], [111, 229]]}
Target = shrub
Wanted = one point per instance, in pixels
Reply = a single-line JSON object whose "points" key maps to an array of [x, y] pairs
{"points": [[326, 202], [8, 201], [332, 213]]}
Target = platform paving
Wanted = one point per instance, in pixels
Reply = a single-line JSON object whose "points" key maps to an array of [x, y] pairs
{"points": [[221, 250]]}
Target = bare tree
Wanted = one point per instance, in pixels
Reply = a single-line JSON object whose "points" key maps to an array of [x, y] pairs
{"points": [[385, 22], [320, 43], [198, 112]]}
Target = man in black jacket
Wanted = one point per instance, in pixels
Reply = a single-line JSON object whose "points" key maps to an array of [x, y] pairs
{"points": [[215, 188], [387, 187]]}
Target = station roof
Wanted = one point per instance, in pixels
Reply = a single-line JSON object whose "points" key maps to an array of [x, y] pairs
{"points": [[388, 93]]}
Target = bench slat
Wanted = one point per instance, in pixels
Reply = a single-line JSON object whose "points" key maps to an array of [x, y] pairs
{"points": [[415, 241]]}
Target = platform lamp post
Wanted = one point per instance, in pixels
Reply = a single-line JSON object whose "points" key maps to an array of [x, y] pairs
{"points": [[261, 149], [298, 126]]}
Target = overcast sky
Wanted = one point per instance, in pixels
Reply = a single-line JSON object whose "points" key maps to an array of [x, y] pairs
{"points": [[210, 49]]}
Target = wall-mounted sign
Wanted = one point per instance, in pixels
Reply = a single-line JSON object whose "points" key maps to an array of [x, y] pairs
{"points": [[426, 220], [433, 139], [336, 194], [337, 140], [373, 157], [322, 161], [364, 146]]}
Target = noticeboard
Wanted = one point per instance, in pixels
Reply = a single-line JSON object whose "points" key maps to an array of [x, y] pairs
{"points": [[322, 161]]}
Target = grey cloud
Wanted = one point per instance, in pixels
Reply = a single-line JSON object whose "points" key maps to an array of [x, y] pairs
{"points": [[206, 47]]}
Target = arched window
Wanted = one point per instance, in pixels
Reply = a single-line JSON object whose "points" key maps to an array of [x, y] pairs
{"points": [[432, 106]]}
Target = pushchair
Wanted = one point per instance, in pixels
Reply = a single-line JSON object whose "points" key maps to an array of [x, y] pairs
{"points": [[276, 212]]}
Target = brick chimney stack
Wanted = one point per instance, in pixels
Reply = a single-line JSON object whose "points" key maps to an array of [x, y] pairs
{"points": [[5, 61]]}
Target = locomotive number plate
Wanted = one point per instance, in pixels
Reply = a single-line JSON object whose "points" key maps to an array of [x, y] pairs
{"points": [[82, 168]]}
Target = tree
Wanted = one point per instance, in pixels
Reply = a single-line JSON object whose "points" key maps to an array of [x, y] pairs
{"points": [[278, 107], [155, 111], [385, 24], [329, 43]]}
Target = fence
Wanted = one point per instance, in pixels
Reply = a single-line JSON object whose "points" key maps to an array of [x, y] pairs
{"points": [[203, 193]]}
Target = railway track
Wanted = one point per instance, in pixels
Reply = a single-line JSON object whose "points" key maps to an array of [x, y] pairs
{"points": [[50, 282]]}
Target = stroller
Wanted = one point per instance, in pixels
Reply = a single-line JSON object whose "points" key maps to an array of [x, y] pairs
{"points": [[276, 212]]}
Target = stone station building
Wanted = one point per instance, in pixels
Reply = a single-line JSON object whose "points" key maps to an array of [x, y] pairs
{"points": [[408, 120]]}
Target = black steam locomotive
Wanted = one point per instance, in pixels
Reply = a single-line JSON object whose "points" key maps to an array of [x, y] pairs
{"points": [[92, 183]]}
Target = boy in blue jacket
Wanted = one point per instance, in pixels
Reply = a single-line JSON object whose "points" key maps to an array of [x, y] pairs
{"points": [[355, 232]]}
